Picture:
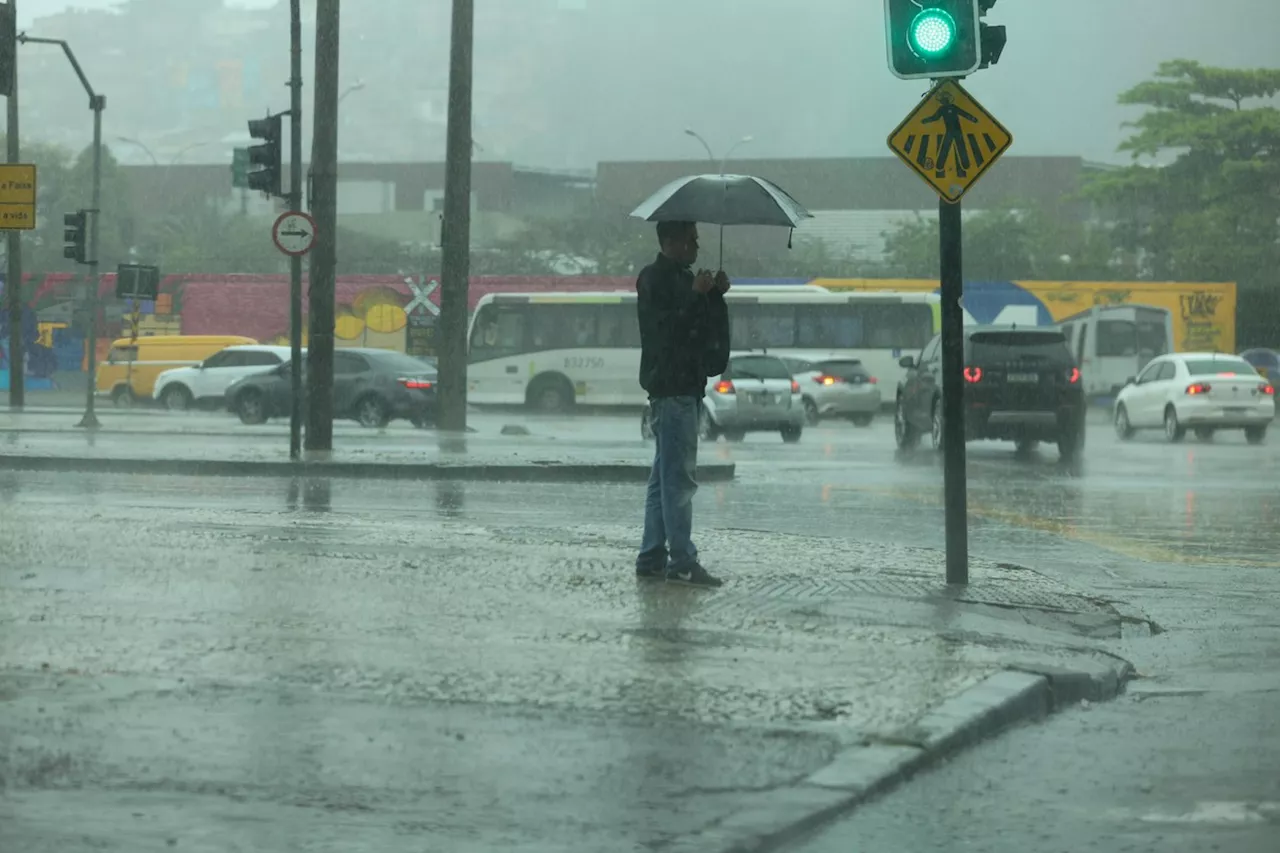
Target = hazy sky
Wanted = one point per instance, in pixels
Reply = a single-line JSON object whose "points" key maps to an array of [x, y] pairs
{"points": [[808, 77]]}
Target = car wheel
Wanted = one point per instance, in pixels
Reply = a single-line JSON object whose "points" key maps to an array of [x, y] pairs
{"points": [[863, 420], [1124, 429], [122, 398], [1205, 433], [420, 421], [811, 415], [937, 432], [646, 424], [1071, 443], [1026, 445], [1173, 429], [735, 436], [1255, 434], [372, 413], [791, 434], [176, 398], [251, 406], [903, 432], [551, 395]]}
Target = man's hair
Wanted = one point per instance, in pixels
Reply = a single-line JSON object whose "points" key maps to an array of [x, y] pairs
{"points": [[673, 231]]}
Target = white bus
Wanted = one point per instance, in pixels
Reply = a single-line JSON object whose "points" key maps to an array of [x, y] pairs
{"points": [[551, 350]]}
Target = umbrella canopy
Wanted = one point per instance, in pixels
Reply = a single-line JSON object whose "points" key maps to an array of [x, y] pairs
{"points": [[723, 200]]}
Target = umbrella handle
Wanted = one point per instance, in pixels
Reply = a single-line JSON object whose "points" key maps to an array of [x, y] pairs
{"points": [[721, 266]]}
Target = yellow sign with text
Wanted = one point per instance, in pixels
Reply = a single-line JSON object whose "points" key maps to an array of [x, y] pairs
{"points": [[950, 140], [17, 197]]}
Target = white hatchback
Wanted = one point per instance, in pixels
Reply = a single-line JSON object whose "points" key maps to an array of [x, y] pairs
{"points": [[206, 384], [1204, 392]]}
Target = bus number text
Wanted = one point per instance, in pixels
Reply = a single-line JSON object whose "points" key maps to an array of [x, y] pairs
{"points": [[578, 362]]}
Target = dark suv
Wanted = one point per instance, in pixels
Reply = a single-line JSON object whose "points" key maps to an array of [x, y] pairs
{"points": [[1020, 385]]}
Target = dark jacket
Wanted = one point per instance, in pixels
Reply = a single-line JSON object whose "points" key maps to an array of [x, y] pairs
{"points": [[684, 335]]}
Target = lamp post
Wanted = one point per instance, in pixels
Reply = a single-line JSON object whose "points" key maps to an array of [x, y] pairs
{"points": [[723, 162]]}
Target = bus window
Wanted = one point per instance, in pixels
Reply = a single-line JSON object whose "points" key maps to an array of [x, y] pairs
{"points": [[762, 326], [829, 327], [556, 326], [497, 333], [619, 327], [1117, 338], [901, 326]]}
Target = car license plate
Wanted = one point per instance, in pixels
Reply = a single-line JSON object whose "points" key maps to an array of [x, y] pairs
{"points": [[1235, 410], [1024, 378]]}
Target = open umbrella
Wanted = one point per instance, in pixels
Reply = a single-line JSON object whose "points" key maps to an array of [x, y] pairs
{"points": [[723, 200]]}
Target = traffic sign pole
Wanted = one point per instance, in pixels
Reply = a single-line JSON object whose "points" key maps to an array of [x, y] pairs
{"points": [[295, 202], [955, 486]]}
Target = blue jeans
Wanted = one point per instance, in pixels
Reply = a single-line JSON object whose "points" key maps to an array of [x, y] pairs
{"points": [[668, 504]]}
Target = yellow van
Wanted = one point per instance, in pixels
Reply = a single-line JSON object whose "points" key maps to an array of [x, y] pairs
{"points": [[135, 365]]}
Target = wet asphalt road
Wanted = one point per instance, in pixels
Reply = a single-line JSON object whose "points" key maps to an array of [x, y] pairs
{"points": [[1189, 533]]}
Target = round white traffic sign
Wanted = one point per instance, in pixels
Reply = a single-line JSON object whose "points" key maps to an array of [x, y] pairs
{"points": [[294, 233]]}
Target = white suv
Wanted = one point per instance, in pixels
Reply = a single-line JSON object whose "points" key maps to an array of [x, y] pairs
{"points": [[206, 384]]}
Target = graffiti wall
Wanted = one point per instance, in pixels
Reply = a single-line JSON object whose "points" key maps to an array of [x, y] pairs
{"points": [[1204, 315], [374, 310]]}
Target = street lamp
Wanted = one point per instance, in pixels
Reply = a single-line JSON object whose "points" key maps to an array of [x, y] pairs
{"points": [[711, 155]]}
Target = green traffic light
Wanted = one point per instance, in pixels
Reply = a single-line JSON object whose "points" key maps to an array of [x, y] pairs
{"points": [[932, 33]]}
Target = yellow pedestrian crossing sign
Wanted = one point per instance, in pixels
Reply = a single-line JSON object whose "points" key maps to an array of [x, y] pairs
{"points": [[950, 140]]}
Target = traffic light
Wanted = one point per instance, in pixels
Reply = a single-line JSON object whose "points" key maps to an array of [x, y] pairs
{"points": [[74, 234], [240, 169], [8, 48], [267, 155], [934, 39], [991, 39]]}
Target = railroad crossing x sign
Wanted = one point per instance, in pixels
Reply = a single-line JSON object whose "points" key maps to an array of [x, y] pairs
{"points": [[950, 140], [422, 298]]}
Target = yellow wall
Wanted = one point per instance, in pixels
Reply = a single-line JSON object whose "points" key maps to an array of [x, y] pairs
{"points": [[1204, 315]]}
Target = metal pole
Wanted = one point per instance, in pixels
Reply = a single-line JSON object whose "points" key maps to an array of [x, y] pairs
{"points": [[295, 203], [456, 257], [953, 426], [13, 274], [97, 103], [324, 200]]}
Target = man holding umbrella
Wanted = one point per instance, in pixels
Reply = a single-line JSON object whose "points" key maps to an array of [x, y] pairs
{"points": [[684, 337]]}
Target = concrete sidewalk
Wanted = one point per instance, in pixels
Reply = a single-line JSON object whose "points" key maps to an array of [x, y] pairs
{"points": [[172, 446], [253, 678]]}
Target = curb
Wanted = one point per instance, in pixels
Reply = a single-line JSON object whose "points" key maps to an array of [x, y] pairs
{"points": [[532, 472], [786, 815]]}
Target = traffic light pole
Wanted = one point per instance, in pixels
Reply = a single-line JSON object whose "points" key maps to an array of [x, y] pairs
{"points": [[13, 272], [324, 167], [295, 203], [97, 103], [950, 230], [456, 260]]}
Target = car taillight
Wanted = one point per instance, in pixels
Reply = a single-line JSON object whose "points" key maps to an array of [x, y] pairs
{"points": [[827, 379], [973, 375], [1198, 388], [871, 380], [795, 387], [1267, 389], [417, 384], [1073, 375], [724, 386]]}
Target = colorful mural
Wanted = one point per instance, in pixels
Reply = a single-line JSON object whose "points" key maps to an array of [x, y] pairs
{"points": [[371, 309], [1204, 315]]}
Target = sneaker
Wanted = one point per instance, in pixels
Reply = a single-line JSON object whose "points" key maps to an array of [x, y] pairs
{"points": [[693, 575], [651, 573]]}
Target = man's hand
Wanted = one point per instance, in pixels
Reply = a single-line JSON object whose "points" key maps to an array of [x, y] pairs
{"points": [[703, 282], [722, 282]]}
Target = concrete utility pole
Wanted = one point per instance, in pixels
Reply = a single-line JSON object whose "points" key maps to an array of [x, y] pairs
{"points": [[97, 103], [456, 261], [295, 203], [324, 257], [13, 274]]}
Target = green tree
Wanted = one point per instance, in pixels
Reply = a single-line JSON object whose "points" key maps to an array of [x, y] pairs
{"points": [[64, 184], [1007, 244], [1208, 209]]}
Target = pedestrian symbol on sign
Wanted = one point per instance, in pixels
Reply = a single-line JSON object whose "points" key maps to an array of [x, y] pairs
{"points": [[953, 139]]}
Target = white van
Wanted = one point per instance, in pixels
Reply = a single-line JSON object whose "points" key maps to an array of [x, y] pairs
{"points": [[1113, 343]]}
